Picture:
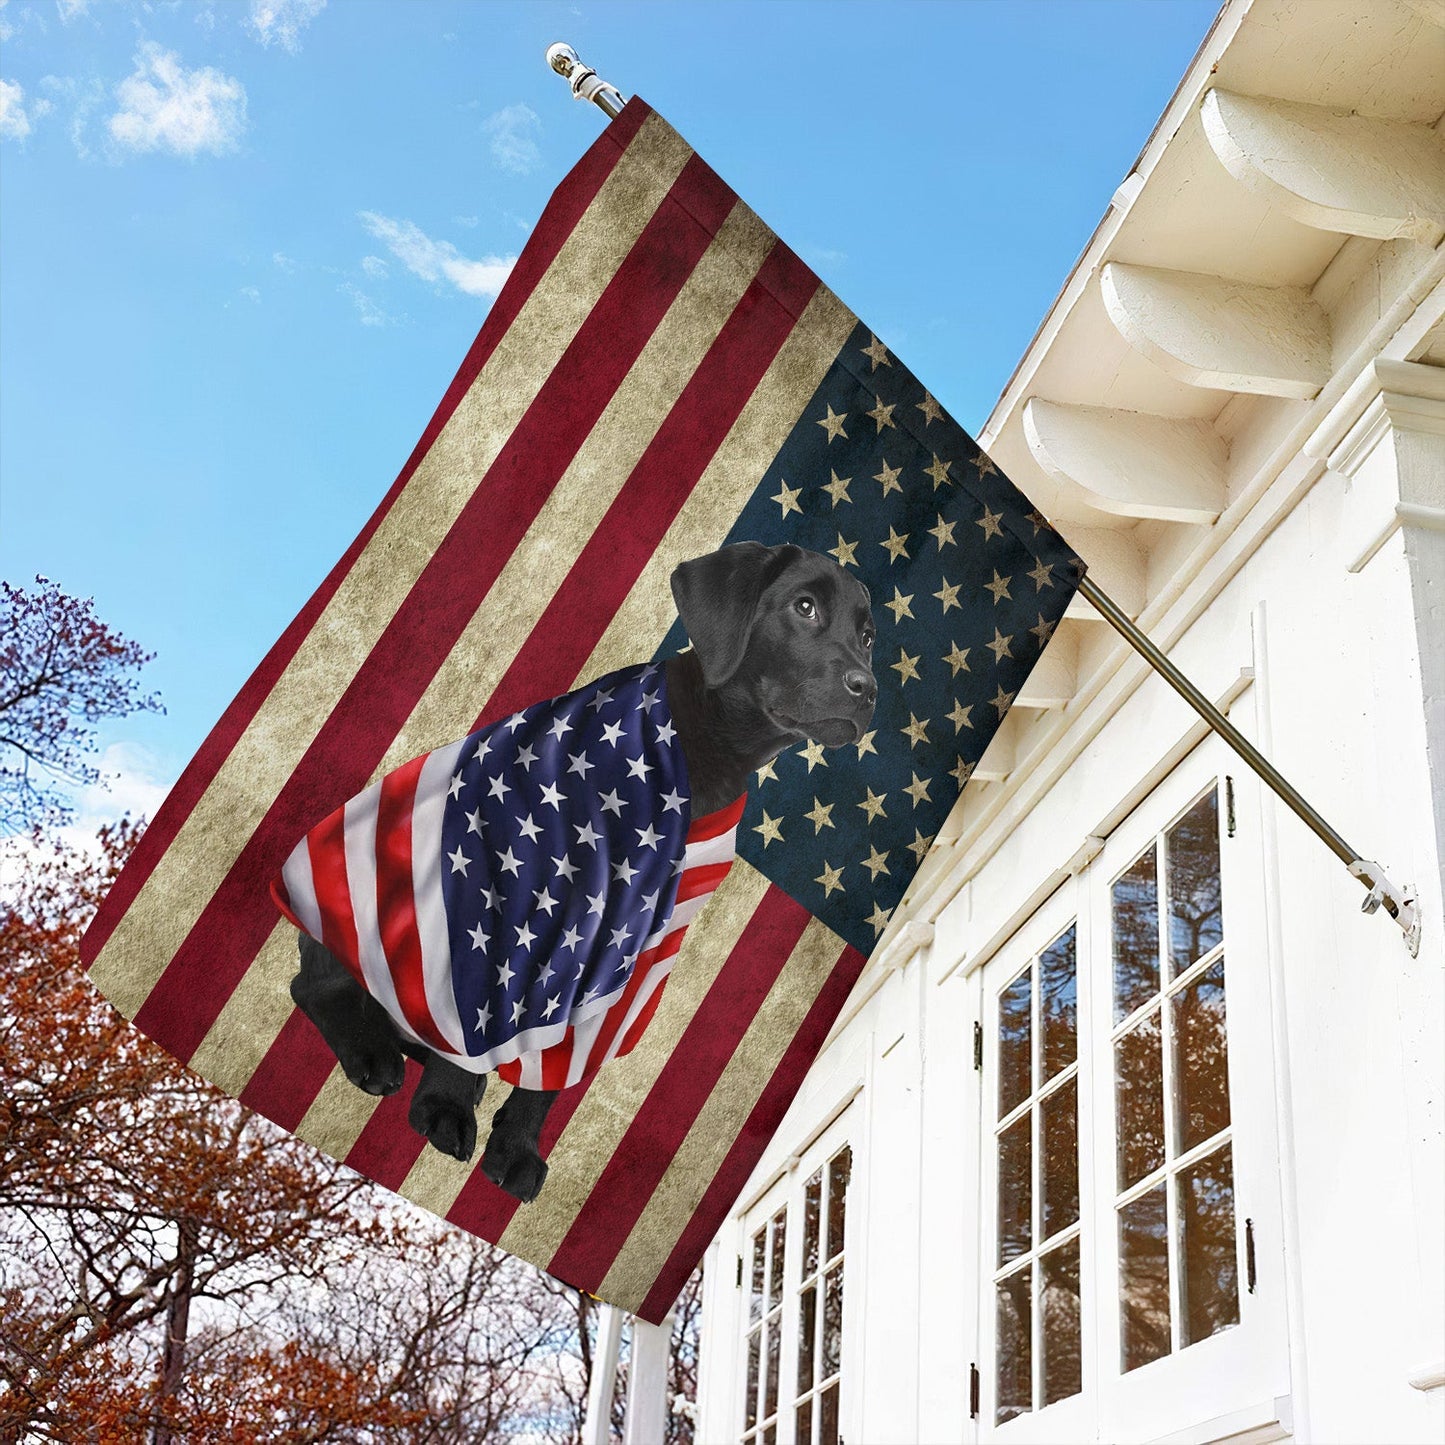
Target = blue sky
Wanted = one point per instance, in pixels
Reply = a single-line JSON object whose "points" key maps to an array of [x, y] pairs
{"points": [[245, 244]]}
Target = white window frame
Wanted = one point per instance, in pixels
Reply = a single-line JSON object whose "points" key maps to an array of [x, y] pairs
{"points": [[1242, 1365], [790, 1190]]}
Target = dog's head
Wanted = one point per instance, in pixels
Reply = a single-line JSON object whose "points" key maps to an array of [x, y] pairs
{"points": [[786, 628]]}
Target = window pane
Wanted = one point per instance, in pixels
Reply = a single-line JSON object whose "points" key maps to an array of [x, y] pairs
{"points": [[812, 1205], [1015, 1232], [1206, 1220], [775, 1272], [1143, 1280], [1062, 1365], [755, 1299], [804, 1434], [807, 1329], [828, 1417], [754, 1342], [1139, 1097], [1192, 847], [1015, 1067], [770, 1394], [1136, 937], [1059, 1123], [839, 1169], [1015, 1361], [832, 1322], [770, 1435], [1201, 1058], [1058, 1004]]}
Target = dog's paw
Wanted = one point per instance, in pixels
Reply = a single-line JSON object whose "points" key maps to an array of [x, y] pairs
{"points": [[512, 1163], [378, 1068], [445, 1124]]}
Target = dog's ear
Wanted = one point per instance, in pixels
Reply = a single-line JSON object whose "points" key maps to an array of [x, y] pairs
{"points": [[717, 599]]}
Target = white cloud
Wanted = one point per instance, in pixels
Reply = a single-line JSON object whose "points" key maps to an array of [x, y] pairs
{"points": [[513, 131], [252, 294], [470, 222], [14, 122], [165, 107], [371, 314], [283, 262], [283, 20], [438, 260], [374, 267], [70, 9]]}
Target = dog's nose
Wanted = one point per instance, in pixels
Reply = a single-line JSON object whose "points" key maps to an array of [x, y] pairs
{"points": [[860, 684]]}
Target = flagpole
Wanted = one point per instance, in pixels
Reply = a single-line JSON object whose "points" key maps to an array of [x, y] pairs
{"points": [[1398, 902]]}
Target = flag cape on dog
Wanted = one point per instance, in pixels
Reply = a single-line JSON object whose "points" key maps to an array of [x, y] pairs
{"points": [[659, 376]]}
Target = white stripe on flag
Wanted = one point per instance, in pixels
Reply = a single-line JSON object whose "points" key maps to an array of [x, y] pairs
{"points": [[359, 839], [431, 910], [301, 889]]}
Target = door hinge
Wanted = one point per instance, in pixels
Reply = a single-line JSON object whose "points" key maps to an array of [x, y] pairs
{"points": [[739, 1283], [973, 1392], [1249, 1273], [977, 1045], [1229, 805]]}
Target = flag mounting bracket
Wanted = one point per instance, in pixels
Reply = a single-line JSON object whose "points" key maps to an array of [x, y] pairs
{"points": [[585, 82]]}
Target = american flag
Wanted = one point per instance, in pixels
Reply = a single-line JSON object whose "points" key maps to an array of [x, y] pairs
{"points": [[639, 395], [515, 900]]}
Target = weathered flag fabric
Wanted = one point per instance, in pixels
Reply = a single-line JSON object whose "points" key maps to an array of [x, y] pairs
{"points": [[515, 900], [659, 376]]}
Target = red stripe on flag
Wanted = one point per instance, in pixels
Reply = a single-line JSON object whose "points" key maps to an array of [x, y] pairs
{"points": [[682, 1088], [704, 878], [664, 477], [291, 1074], [558, 220], [231, 929], [327, 849], [396, 903], [612, 1022], [714, 825], [762, 1123]]}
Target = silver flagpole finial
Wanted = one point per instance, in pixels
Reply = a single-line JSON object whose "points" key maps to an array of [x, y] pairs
{"points": [[585, 82]]}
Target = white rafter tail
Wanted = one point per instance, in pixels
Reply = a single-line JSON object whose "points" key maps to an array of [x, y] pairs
{"points": [[1001, 755], [1053, 680], [1114, 562], [1131, 464], [1332, 169], [1398, 902], [1214, 332]]}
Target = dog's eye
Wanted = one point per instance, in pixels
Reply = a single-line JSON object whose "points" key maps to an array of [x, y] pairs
{"points": [[868, 641], [806, 607]]}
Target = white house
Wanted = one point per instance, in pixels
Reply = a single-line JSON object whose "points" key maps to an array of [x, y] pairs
{"points": [[1133, 1128]]}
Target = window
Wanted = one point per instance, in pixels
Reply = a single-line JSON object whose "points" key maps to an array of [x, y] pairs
{"points": [[1177, 1281], [1127, 1208], [1037, 1284], [794, 1322]]}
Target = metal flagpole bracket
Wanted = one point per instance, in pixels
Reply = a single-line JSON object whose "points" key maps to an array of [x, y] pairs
{"points": [[585, 82], [1399, 901]]}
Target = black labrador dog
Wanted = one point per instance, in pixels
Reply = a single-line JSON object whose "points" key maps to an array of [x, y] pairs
{"points": [[781, 651]]}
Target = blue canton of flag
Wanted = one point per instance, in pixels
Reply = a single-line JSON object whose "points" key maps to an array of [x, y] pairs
{"points": [[968, 582]]}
